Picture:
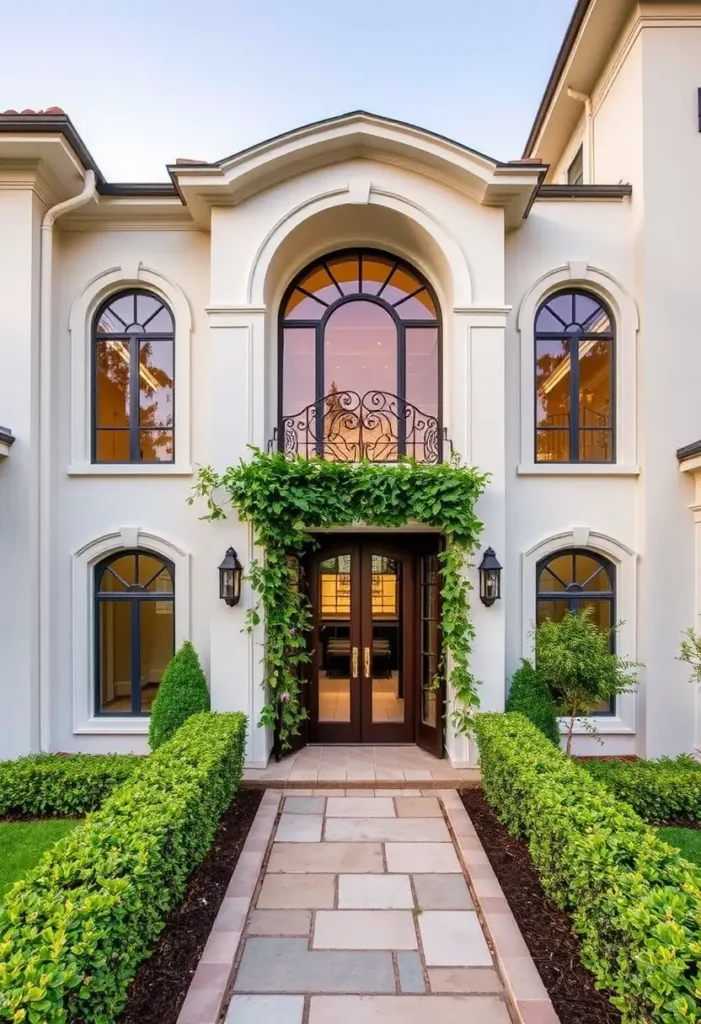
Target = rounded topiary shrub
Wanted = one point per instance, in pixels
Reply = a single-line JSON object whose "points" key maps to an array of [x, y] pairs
{"points": [[530, 695], [183, 692]]}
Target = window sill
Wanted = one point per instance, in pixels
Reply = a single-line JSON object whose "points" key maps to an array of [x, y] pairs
{"points": [[112, 726], [605, 725], [576, 469], [124, 469]]}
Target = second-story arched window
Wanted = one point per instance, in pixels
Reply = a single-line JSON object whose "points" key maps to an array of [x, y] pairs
{"points": [[133, 380], [360, 361], [574, 386]]}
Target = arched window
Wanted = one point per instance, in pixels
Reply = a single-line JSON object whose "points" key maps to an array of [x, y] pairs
{"points": [[360, 361], [574, 360], [133, 380], [572, 579], [134, 630]]}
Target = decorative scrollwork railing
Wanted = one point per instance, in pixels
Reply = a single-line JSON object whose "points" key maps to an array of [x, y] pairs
{"points": [[347, 427]]}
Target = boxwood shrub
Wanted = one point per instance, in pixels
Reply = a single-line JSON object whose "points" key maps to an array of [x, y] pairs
{"points": [[633, 900], [45, 784], [530, 695], [73, 930], [664, 790]]}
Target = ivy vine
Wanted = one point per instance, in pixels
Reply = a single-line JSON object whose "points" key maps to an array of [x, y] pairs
{"points": [[286, 499]]}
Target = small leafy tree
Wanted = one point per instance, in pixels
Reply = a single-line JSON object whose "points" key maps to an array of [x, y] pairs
{"points": [[690, 652], [574, 658], [183, 692], [530, 694]]}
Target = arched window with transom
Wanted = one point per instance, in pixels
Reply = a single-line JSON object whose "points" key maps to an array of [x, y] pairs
{"points": [[133, 380], [574, 379], [571, 580], [134, 630], [360, 361]]}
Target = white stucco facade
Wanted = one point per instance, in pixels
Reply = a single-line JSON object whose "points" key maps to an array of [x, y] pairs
{"points": [[221, 246]]}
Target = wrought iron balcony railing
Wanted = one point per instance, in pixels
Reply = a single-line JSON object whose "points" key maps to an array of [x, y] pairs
{"points": [[345, 426]]}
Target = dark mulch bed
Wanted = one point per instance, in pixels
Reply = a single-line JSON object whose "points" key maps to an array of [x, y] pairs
{"points": [[158, 991], [546, 929]]}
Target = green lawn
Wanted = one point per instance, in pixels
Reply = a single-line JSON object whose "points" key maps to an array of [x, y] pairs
{"points": [[23, 842], [687, 840]]}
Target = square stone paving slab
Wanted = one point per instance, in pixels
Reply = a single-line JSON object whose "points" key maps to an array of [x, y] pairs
{"points": [[288, 965], [408, 1010], [375, 892], [418, 807], [266, 1010], [297, 892], [386, 830], [364, 929], [360, 807], [280, 922], [453, 938], [464, 979], [299, 828], [442, 892], [422, 858], [321, 858], [304, 805]]}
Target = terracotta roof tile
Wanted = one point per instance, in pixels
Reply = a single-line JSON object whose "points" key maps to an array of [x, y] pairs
{"points": [[29, 112]]}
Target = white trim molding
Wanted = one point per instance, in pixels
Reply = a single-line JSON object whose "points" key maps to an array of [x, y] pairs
{"points": [[83, 560], [85, 304], [580, 274], [626, 563]]}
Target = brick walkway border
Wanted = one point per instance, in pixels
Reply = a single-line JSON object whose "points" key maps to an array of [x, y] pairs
{"points": [[209, 991]]}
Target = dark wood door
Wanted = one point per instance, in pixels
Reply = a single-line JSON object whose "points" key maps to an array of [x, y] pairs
{"points": [[364, 656], [430, 691]]}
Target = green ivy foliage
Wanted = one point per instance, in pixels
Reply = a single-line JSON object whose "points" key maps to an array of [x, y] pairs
{"points": [[529, 694], [182, 692], [73, 930], [286, 499], [633, 900], [45, 784], [668, 789]]}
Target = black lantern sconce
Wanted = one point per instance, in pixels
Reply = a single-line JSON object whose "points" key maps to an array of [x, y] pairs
{"points": [[230, 573], [490, 578]]}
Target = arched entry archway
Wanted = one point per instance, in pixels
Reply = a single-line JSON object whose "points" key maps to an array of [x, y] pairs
{"points": [[360, 360]]}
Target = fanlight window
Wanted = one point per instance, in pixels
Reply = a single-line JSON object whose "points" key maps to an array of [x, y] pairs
{"points": [[133, 374], [360, 361], [134, 630], [574, 359], [571, 580]]}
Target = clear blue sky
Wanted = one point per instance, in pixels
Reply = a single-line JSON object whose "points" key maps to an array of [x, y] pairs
{"points": [[145, 82]]}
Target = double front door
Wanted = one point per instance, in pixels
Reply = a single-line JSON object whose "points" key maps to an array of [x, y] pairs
{"points": [[375, 642]]}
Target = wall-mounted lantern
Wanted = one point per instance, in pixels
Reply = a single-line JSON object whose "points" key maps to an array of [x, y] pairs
{"points": [[230, 573], [490, 578]]}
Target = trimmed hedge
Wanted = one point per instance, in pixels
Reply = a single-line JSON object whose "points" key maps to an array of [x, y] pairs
{"points": [[183, 692], [633, 900], [73, 930], [45, 784], [664, 790], [530, 694]]}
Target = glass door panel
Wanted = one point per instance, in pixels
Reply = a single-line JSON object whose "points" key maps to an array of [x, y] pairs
{"points": [[386, 642], [335, 655]]}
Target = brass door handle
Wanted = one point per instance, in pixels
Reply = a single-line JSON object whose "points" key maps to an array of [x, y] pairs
{"points": [[367, 662], [355, 662]]}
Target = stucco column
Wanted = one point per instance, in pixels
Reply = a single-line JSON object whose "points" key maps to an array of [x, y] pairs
{"points": [[476, 418], [692, 466], [21, 211], [237, 421]]}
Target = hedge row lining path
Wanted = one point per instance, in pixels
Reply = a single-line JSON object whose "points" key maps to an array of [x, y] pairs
{"points": [[363, 914]]}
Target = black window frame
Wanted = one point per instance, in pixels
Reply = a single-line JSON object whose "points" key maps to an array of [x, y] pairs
{"points": [[574, 339], [134, 340], [577, 597], [135, 595], [327, 309]]}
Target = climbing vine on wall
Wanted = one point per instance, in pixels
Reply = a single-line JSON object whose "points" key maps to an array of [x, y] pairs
{"points": [[287, 499]]}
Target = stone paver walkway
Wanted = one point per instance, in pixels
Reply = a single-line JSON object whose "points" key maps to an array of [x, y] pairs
{"points": [[381, 766], [363, 916]]}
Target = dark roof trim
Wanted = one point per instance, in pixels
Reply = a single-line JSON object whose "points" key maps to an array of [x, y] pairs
{"points": [[6, 436], [689, 450], [158, 188], [328, 122], [584, 191], [563, 56]]}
